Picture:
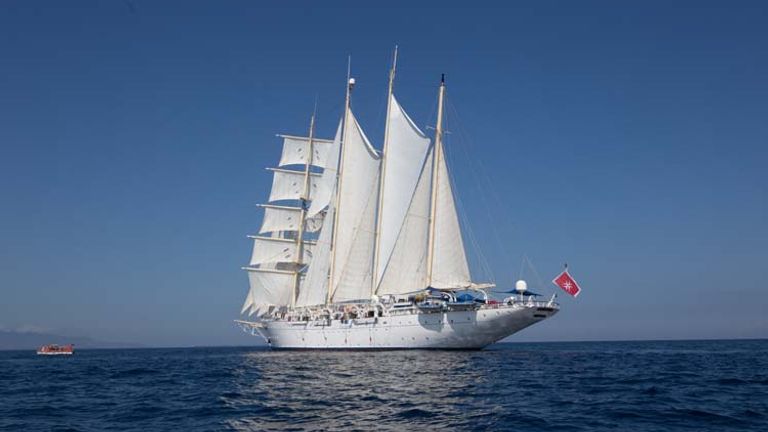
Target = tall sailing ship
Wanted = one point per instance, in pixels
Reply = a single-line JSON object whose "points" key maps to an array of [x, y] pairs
{"points": [[369, 253]]}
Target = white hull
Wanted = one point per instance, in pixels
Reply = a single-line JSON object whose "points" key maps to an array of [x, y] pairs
{"points": [[54, 353], [472, 329]]}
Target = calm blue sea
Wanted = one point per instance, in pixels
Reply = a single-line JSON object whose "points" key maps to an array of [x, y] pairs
{"points": [[627, 386]]}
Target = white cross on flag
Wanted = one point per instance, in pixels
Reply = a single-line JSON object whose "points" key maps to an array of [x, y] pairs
{"points": [[566, 282]]}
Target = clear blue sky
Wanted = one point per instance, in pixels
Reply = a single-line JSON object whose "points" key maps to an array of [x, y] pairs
{"points": [[628, 139]]}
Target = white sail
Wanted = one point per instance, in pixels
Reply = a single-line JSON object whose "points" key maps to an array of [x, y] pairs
{"points": [[355, 278], [449, 263], [326, 185], [248, 303], [388, 225], [314, 289], [284, 218], [269, 288], [271, 250], [296, 149], [406, 269], [406, 149], [356, 214], [289, 185]]}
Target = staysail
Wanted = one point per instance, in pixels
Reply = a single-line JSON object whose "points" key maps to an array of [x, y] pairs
{"points": [[406, 269], [406, 149], [449, 261], [314, 290], [356, 214]]}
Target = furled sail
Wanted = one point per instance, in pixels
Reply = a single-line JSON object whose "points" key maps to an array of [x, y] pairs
{"points": [[406, 269], [271, 250], [284, 218], [449, 262], [326, 185], [296, 149], [314, 289], [289, 185], [356, 214], [268, 288], [406, 150]]}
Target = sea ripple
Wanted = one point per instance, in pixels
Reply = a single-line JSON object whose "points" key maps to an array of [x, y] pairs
{"points": [[590, 386]]}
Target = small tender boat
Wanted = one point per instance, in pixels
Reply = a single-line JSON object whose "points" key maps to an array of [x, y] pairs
{"points": [[56, 349]]}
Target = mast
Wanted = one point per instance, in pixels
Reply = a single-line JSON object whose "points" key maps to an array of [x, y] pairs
{"points": [[350, 85], [380, 206], [435, 165], [299, 260]]}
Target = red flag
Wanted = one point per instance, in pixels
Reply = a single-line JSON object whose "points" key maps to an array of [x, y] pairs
{"points": [[566, 282]]}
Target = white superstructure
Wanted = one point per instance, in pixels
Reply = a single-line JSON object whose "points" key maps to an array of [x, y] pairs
{"points": [[363, 249]]}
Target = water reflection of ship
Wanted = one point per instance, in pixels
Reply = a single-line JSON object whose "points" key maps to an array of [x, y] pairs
{"points": [[332, 392]]}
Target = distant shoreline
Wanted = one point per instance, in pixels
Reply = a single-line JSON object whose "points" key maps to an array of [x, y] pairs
{"points": [[12, 340]]}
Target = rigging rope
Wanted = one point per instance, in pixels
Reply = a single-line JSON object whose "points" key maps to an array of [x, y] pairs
{"points": [[483, 184], [535, 273], [482, 260]]}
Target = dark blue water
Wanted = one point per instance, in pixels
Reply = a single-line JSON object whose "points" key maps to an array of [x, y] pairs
{"points": [[629, 386]]}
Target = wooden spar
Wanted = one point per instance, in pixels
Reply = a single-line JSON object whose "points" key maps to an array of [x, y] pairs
{"points": [[299, 259], [337, 201], [435, 171], [380, 206]]}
